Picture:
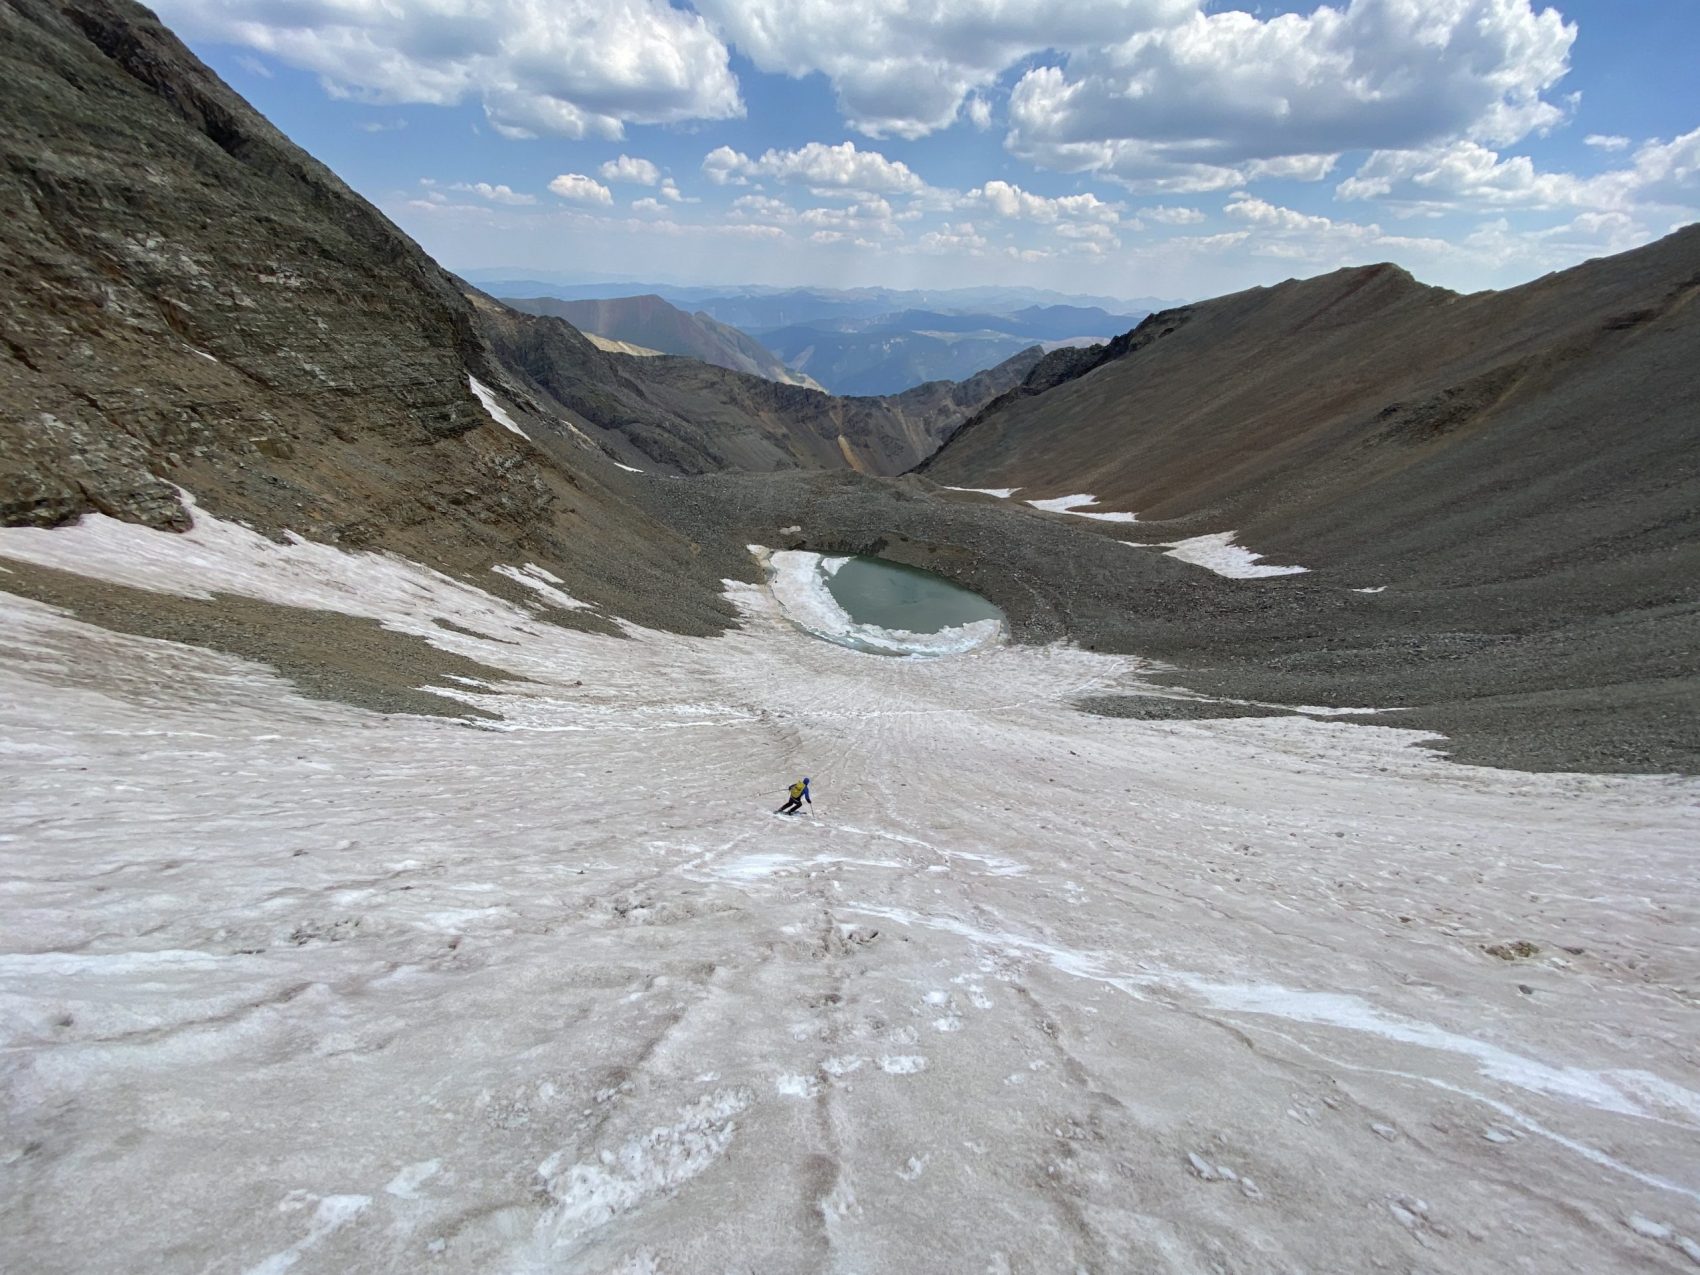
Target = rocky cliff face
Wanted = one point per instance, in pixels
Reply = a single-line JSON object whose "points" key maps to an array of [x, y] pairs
{"points": [[189, 300]]}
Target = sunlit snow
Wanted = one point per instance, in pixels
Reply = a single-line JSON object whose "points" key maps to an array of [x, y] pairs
{"points": [[286, 985], [1076, 505], [1217, 552], [498, 413]]}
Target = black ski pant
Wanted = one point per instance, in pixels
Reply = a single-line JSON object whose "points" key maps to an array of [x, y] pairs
{"points": [[791, 807]]}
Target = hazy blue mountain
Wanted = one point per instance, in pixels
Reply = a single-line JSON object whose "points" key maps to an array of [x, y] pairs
{"points": [[651, 322]]}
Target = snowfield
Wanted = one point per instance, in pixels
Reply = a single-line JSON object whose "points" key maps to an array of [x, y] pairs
{"points": [[290, 986]]}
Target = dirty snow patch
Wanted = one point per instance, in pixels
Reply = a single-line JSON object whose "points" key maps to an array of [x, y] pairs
{"points": [[1002, 493], [592, 1193], [902, 1064], [543, 584]]}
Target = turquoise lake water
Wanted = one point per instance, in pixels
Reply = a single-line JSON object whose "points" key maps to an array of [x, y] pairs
{"points": [[874, 591]]}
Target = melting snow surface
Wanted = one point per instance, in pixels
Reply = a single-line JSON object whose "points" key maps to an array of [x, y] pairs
{"points": [[498, 413], [543, 584], [1003, 493], [561, 993], [1074, 505]]}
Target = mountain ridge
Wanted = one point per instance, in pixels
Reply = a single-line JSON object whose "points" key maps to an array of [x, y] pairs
{"points": [[649, 321]]}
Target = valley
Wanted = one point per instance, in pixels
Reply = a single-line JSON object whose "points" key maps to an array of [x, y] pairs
{"points": [[1286, 864]]}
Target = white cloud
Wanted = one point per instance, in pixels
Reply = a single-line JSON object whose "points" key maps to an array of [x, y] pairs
{"points": [[867, 219], [1606, 141], [1466, 175], [960, 237], [1169, 215], [570, 68], [648, 205], [670, 190], [979, 112], [905, 69], [581, 189], [495, 194], [1013, 203], [840, 168], [1225, 97], [764, 207], [637, 172], [1089, 233]]}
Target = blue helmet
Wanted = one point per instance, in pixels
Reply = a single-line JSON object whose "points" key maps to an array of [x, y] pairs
{"points": [[805, 779]]}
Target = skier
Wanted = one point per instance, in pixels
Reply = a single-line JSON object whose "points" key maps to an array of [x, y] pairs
{"points": [[799, 794]]}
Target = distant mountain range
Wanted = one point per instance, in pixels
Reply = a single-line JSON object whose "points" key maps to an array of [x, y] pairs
{"points": [[652, 325], [753, 305], [890, 352], [856, 343]]}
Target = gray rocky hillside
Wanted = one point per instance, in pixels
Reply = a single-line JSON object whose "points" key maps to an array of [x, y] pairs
{"points": [[191, 300]]}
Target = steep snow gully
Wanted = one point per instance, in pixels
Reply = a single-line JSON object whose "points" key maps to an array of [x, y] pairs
{"points": [[286, 985]]}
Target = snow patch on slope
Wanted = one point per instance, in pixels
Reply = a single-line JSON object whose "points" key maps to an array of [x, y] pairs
{"points": [[1075, 505], [497, 412], [543, 584], [1217, 552], [1002, 493]]}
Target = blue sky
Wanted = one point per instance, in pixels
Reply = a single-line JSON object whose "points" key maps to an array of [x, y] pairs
{"points": [[1130, 147]]}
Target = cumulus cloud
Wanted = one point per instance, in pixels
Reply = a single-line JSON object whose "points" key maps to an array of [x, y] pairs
{"points": [[495, 194], [1226, 97], [1606, 141], [1288, 233], [637, 172], [949, 237], [569, 68], [581, 189], [1466, 175], [867, 219], [1170, 215], [905, 70], [818, 166], [648, 205], [670, 191], [1013, 203]]}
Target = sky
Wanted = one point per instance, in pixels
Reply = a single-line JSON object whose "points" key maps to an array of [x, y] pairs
{"points": [[1130, 148]]}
